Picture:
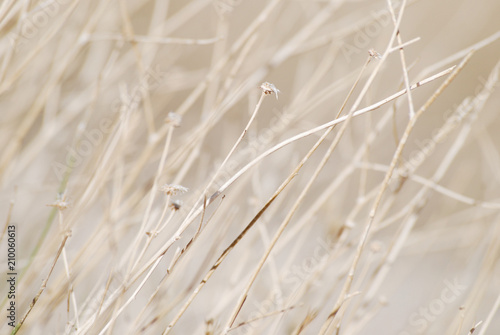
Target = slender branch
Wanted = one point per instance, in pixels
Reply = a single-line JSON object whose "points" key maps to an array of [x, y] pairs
{"points": [[154, 39], [44, 284], [373, 211], [403, 59]]}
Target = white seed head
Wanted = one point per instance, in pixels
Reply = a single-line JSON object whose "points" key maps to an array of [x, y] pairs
{"points": [[269, 88], [174, 118], [172, 189], [374, 54]]}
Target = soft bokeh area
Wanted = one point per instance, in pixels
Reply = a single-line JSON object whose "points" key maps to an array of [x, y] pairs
{"points": [[250, 167]]}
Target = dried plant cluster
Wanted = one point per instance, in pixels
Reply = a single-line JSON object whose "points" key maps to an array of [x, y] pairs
{"points": [[151, 184]]}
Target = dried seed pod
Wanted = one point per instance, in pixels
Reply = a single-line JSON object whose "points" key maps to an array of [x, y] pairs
{"points": [[269, 88]]}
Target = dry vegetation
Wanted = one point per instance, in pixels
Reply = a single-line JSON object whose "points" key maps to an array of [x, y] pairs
{"points": [[157, 186]]}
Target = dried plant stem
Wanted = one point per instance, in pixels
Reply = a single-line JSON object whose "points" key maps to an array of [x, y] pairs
{"points": [[130, 299], [228, 156], [153, 39], [299, 199], [385, 182], [28, 121], [190, 100], [254, 114], [418, 201], [473, 329], [464, 52], [322, 127], [44, 284], [196, 212], [381, 62], [238, 141], [224, 255], [244, 323], [290, 213], [403, 59], [491, 315], [71, 293], [114, 295], [153, 193], [404, 45], [433, 185]]}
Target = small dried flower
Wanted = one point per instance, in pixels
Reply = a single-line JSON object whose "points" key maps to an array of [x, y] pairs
{"points": [[172, 189], [269, 88], [60, 203], [176, 205], [374, 54], [174, 118]]}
